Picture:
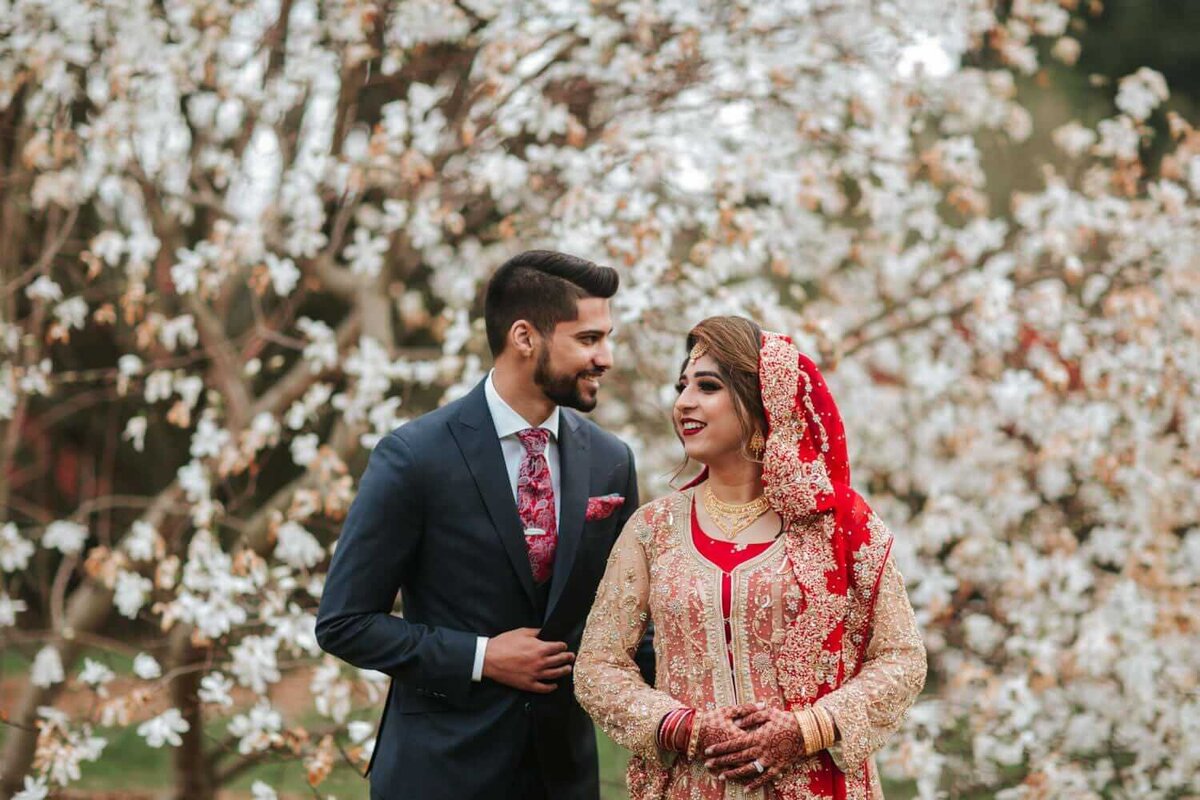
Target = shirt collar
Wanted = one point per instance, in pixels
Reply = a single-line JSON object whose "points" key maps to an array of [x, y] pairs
{"points": [[509, 422]]}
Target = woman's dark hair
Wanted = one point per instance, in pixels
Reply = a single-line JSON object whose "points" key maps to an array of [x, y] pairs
{"points": [[543, 287], [734, 344]]}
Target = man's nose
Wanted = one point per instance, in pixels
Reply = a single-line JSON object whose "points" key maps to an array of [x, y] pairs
{"points": [[604, 356]]}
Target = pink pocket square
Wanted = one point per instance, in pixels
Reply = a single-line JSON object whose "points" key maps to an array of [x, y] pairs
{"points": [[603, 507]]}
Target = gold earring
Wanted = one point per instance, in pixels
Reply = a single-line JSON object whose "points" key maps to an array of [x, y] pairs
{"points": [[757, 444]]}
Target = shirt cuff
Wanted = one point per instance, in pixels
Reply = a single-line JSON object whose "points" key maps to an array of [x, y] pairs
{"points": [[480, 650]]}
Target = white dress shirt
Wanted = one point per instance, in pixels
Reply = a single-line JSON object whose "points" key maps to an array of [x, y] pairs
{"points": [[508, 423]]}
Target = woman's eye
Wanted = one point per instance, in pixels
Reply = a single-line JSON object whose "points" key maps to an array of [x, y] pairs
{"points": [[679, 387], [709, 386]]}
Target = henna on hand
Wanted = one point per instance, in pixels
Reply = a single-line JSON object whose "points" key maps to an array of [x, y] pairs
{"points": [[717, 725], [775, 742]]}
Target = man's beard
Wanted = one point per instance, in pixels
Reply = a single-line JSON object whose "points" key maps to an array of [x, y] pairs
{"points": [[562, 389]]}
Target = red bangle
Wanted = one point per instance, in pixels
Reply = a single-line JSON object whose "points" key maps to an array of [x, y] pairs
{"points": [[673, 724]]}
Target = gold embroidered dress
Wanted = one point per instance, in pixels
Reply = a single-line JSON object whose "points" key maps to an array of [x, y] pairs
{"points": [[821, 616]]}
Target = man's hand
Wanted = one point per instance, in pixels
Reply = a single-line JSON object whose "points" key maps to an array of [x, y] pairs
{"points": [[519, 659]]}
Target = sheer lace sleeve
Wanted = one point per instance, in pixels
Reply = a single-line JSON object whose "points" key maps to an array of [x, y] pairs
{"points": [[607, 681], [870, 707]]}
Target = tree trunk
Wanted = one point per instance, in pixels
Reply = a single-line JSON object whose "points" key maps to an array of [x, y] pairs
{"points": [[194, 778]]}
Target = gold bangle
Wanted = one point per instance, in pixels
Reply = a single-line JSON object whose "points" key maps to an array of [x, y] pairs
{"points": [[808, 730], [818, 735], [822, 726], [830, 730], [693, 743]]}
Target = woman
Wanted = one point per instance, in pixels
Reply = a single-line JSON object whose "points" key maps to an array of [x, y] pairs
{"points": [[785, 644]]}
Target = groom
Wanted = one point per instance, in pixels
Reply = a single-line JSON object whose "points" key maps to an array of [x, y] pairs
{"points": [[493, 517]]}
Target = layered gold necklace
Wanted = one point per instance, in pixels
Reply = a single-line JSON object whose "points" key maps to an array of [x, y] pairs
{"points": [[733, 518]]}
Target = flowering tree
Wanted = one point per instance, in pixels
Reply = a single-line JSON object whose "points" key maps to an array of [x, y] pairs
{"points": [[246, 239]]}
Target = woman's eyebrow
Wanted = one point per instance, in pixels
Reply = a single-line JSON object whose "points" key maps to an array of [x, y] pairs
{"points": [[707, 374]]}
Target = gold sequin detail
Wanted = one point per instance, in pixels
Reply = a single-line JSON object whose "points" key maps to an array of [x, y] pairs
{"points": [[655, 572]]}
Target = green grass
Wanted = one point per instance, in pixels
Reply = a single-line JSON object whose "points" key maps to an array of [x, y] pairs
{"points": [[128, 763]]}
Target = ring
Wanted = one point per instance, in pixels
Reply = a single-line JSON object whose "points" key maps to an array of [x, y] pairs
{"points": [[759, 766]]}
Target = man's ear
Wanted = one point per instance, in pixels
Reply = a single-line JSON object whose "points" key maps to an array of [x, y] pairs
{"points": [[523, 338]]}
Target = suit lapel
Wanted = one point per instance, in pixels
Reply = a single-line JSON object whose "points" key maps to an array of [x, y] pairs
{"points": [[575, 464], [475, 435]]}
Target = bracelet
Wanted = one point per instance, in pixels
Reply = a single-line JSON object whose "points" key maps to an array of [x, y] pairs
{"points": [[812, 732], [675, 730], [803, 719], [828, 731], [693, 744], [683, 733]]}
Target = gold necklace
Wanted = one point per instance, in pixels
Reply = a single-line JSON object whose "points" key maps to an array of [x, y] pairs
{"points": [[733, 518]]}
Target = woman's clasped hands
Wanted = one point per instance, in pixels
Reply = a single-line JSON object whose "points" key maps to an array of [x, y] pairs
{"points": [[768, 741]]}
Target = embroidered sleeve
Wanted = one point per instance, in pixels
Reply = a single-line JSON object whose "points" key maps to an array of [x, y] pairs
{"points": [[607, 681], [870, 707]]}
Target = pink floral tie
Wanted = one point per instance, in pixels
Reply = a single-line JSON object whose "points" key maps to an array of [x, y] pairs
{"points": [[535, 502]]}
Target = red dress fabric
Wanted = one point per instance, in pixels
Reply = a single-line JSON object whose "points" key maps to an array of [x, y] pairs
{"points": [[725, 556]]}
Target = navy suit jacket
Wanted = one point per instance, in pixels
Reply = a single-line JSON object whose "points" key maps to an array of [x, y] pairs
{"points": [[435, 520]]}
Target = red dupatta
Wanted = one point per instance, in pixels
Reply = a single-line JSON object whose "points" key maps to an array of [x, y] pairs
{"points": [[806, 472]]}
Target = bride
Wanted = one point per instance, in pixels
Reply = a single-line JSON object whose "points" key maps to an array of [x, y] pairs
{"points": [[786, 647]]}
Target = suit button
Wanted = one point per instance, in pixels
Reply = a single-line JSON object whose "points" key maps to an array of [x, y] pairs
{"points": [[528, 706]]}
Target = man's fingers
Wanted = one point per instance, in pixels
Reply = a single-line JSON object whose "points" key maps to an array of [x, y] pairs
{"points": [[555, 673], [552, 648], [558, 660], [540, 687]]}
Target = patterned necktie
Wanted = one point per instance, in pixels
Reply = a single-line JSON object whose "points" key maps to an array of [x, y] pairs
{"points": [[535, 502]]}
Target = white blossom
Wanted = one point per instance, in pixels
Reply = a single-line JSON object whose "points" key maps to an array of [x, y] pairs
{"points": [[15, 549], [284, 275], [261, 791], [215, 688], [254, 664], [43, 288], [47, 668], [257, 729], [143, 542], [9, 608], [96, 675], [366, 253], [135, 432], [1142, 92], [165, 729], [131, 593], [304, 449], [65, 536], [33, 789], [298, 547], [146, 667]]}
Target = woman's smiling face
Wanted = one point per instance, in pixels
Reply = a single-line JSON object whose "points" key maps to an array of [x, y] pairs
{"points": [[704, 413]]}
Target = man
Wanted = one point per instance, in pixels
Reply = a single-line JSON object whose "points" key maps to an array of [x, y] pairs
{"points": [[493, 516]]}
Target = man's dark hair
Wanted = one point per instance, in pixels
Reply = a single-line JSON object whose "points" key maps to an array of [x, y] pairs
{"points": [[543, 287]]}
